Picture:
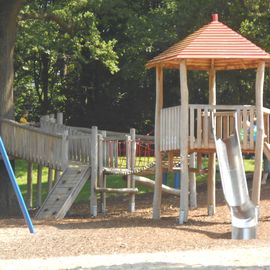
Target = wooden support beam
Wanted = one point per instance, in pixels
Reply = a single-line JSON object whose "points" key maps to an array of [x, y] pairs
{"points": [[39, 186], [184, 121], [132, 167], [158, 155], [30, 185], [101, 172], [94, 171], [144, 181], [192, 183], [59, 120], [257, 176], [50, 177], [211, 180], [170, 161], [117, 190]]}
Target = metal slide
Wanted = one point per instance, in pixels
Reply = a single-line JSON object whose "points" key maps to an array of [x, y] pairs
{"points": [[243, 212]]}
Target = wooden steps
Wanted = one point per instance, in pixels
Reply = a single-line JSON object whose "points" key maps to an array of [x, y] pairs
{"points": [[64, 192]]}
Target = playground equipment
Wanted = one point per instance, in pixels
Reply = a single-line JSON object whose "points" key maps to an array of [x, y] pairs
{"points": [[16, 187], [244, 213], [186, 128], [80, 154]]}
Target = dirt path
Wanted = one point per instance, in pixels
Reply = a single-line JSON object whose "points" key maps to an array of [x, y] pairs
{"points": [[120, 232]]}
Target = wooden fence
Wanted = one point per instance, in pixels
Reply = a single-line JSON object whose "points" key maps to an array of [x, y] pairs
{"points": [[200, 134]]}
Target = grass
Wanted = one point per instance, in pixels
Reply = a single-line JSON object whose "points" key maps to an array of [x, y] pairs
{"points": [[112, 181]]}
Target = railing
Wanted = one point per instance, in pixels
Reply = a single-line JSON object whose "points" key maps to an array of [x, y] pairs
{"points": [[79, 148], [35, 145], [200, 135], [79, 143]]}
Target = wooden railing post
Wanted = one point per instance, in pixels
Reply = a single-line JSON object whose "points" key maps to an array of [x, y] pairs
{"points": [[128, 163], [132, 167], [52, 118], [59, 120], [94, 171], [64, 150], [104, 177], [101, 173]]}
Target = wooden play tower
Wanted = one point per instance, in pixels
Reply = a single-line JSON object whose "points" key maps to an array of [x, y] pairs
{"points": [[187, 127]]}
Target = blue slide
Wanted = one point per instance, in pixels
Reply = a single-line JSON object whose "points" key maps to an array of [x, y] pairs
{"points": [[16, 187]]}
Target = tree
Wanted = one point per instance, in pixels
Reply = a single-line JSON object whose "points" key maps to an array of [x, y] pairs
{"points": [[8, 26], [55, 38]]}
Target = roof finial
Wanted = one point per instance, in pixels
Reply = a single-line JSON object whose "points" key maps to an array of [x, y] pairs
{"points": [[215, 17]]}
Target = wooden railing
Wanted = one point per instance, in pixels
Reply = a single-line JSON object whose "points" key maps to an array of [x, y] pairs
{"points": [[200, 134], [35, 145], [79, 143]]}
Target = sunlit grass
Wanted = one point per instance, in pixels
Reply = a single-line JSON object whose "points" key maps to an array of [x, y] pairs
{"points": [[113, 181]]}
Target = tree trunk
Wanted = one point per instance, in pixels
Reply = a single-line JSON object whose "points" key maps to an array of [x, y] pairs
{"points": [[44, 75], [8, 26]]}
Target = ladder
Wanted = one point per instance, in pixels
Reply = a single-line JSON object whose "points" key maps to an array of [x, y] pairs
{"points": [[65, 191]]}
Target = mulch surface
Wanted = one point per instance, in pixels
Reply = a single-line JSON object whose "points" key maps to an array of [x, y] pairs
{"points": [[122, 232]]}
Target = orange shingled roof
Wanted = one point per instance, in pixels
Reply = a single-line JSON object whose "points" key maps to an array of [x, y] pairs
{"points": [[214, 43]]}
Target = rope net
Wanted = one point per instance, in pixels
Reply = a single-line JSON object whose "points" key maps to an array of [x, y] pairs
{"points": [[118, 156]]}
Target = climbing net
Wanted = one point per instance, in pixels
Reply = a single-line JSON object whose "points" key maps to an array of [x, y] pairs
{"points": [[119, 156]]}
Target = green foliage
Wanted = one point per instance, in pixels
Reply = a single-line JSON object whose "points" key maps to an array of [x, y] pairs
{"points": [[87, 58], [54, 41]]}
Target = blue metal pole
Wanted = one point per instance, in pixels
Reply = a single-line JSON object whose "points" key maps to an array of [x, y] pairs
{"points": [[16, 187], [177, 179], [164, 178]]}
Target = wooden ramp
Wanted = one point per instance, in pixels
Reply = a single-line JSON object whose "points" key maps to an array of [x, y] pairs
{"points": [[65, 191]]}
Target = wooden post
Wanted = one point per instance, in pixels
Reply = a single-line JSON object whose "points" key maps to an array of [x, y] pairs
{"points": [[192, 183], [29, 185], [132, 167], [128, 163], [170, 161], [59, 120], [39, 186], [104, 177], [50, 176], [184, 122], [52, 118], [158, 170], [101, 172], [211, 185], [256, 185], [94, 171]]}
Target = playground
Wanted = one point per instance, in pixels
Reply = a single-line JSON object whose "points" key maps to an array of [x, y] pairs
{"points": [[123, 232], [189, 140]]}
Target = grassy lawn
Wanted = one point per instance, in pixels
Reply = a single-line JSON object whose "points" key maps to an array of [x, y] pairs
{"points": [[112, 181]]}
